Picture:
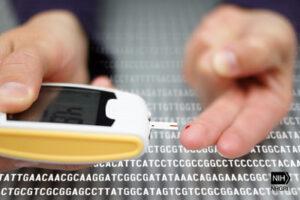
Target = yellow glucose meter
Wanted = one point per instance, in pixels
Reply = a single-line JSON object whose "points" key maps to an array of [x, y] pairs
{"points": [[78, 124]]}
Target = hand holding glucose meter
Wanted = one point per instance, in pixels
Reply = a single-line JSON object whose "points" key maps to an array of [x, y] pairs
{"points": [[72, 123]]}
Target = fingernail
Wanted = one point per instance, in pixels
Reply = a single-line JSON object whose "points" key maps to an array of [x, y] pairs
{"points": [[222, 155], [22, 163], [14, 90], [225, 63], [192, 136]]}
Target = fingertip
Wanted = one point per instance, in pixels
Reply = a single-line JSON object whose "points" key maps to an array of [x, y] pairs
{"points": [[15, 97], [230, 147], [21, 74], [102, 81], [192, 138]]}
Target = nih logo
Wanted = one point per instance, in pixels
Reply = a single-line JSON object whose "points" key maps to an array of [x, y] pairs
{"points": [[280, 178]]}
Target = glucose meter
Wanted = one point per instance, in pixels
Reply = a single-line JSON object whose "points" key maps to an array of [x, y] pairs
{"points": [[78, 124]]}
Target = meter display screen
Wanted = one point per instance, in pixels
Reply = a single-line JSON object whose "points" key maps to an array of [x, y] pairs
{"points": [[69, 105]]}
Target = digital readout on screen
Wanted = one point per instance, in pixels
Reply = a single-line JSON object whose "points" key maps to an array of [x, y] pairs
{"points": [[68, 105]]}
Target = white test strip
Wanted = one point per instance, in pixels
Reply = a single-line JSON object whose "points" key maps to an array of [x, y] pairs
{"points": [[164, 125]]}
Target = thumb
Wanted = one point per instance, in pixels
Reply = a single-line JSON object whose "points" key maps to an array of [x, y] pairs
{"points": [[21, 74], [247, 56]]}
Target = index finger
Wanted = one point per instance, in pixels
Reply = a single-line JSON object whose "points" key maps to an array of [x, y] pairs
{"points": [[205, 130]]}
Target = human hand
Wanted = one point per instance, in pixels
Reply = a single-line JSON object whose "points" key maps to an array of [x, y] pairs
{"points": [[50, 47], [240, 62]]}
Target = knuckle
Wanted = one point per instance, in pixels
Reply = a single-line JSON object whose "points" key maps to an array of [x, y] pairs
{"points": [[6, 46], [195, 45], [259, 42], [263, 45], [27, 56], [227, 10], [29, 53]]}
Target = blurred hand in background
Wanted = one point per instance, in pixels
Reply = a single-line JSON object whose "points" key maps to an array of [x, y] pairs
{"points": [[240, 62]]}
